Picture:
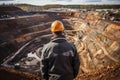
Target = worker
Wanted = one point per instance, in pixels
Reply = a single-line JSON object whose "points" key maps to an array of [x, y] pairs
{"points": [[59, 59]]}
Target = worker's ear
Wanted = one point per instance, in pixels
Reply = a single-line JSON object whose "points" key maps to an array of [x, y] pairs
{"points": [[63, 32], [53, 33]]}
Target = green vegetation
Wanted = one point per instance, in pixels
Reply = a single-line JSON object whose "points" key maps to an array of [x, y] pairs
{"points": [[74, 6], [33, 7]]}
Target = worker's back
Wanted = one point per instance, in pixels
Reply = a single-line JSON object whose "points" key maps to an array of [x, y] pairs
{"points": [[61, 59]]}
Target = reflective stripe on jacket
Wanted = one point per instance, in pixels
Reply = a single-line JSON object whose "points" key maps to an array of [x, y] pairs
{"points": [[60, 60]]}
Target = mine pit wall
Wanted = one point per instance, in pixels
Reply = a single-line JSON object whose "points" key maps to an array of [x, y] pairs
{"points": [[22, 22], [15, 31], [97, 42]]}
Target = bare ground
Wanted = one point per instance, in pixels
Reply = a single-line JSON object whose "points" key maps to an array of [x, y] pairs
{"points": [[11, 74], [108, 73]]}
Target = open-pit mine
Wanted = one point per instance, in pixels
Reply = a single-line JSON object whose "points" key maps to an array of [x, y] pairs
{"points": [[95, 33]]}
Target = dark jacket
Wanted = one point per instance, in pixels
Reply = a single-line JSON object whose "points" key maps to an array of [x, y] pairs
{"points": [[60, 60]]}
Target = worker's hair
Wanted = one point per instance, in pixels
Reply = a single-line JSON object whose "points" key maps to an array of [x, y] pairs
{"points": [[58, 32]]}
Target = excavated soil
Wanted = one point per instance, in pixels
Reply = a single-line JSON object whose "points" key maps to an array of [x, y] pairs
{"points": [[97, 42], [11, 74], [108, 73]]}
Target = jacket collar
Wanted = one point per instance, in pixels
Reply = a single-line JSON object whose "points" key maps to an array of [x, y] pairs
{"points": [[58, 38]]}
